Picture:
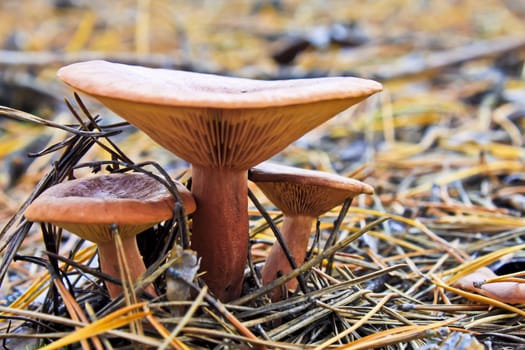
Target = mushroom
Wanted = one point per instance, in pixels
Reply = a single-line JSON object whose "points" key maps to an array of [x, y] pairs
{"points": [[479, 281], [302, 195], [88, 207], [222, 126]]}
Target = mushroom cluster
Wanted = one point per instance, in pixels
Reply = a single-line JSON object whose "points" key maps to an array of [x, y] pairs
{"points": [[90, 207], [223, 126]]}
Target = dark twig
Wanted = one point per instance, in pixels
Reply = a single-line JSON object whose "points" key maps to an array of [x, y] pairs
{"points": [[75, 147], [27, 117], [335, 230], [279, 237]]}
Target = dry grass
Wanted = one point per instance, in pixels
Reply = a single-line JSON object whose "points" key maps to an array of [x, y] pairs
{"points": [[442, 145]]}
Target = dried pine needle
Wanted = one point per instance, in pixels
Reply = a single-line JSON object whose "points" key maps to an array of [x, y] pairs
{"points": [[119, 318]]}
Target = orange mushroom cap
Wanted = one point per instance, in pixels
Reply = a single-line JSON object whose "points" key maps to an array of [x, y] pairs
{"points": [[216, 121], [132, 201], [189, 89], [305, 192]]}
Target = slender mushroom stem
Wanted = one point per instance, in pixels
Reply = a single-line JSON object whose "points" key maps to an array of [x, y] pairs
{"points": [[107, 252], [293, 230], [220, 227], [279, 239]]}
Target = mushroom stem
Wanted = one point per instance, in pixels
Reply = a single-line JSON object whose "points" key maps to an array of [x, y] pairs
{"points": [[296, 232], [220, 227], [108, 255]]}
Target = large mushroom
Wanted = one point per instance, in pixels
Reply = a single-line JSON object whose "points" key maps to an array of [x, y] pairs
{"points": [[222, 126], [302, 195], [88, 207]]}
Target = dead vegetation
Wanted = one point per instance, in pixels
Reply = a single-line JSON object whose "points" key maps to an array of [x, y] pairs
{"points": [[442, 146]]}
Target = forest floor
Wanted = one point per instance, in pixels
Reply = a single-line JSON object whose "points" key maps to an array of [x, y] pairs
{"points": [[442, 145]]}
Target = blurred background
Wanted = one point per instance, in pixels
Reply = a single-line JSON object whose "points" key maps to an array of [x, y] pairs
{"points": [[448, 68], [442, 144]]}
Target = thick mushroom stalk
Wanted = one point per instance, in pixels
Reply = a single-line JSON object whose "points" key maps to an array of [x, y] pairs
{"points": [[222, 219], [88, 207], [222, 126], [302, 196]]}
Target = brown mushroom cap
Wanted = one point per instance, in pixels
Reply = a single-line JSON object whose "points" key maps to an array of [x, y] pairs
{"points": [[305, 192], [189, 89], [216, 121], [132, 201]]}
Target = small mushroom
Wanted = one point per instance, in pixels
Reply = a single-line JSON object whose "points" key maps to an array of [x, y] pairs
{"points": [[302, 195], [504, 291], [88, 207], [222, 126]]}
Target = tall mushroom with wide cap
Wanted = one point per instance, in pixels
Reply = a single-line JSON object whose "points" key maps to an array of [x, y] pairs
{"points": [[302, 195], [88, 207], [222, 126]]}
